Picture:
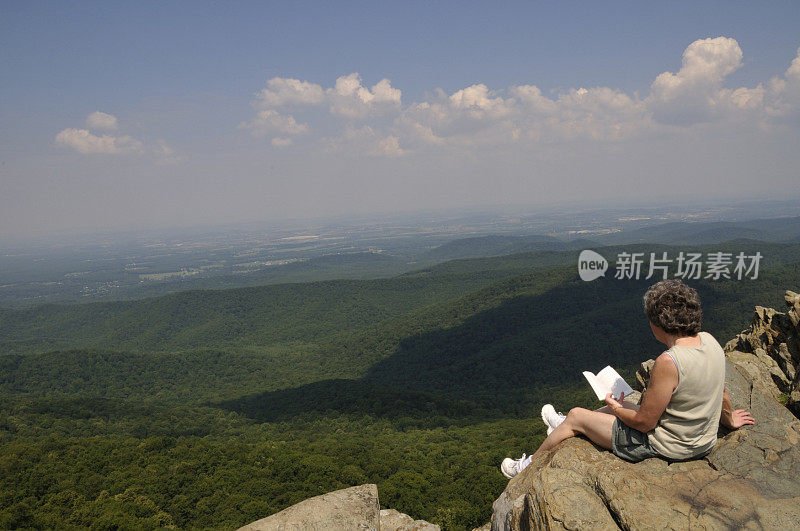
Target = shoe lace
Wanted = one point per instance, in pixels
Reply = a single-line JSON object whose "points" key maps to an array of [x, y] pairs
{"points": [[518, 463]]}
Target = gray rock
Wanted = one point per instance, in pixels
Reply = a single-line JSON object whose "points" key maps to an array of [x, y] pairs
{"points": [[392, 520], [774, 338], [346, 509], [579, 486], [750, 480], [643, 375], [766, 454]]}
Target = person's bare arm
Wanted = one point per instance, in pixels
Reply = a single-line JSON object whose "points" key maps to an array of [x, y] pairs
{"points": [[663, 381], [733, 418]]}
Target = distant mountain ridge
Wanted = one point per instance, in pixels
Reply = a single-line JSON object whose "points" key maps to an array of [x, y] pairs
{"points": [[771, 230], [497, 245], [109, 282], [706, 232], [295, 311]]}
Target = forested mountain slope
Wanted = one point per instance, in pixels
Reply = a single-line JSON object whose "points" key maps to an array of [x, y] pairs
{"points": [[265, 315], [421, 383], [241, 316]]}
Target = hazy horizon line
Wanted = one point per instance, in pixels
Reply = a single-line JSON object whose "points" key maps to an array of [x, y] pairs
{"points": [[725, 202]]}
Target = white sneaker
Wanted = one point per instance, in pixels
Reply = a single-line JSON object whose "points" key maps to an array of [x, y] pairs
{"points": [[551, 418], [511, 467]]}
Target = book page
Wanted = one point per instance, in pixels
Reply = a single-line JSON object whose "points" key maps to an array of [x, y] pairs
{"points": [[607, 377], [597, 387], [609, 381], [612, 381]]}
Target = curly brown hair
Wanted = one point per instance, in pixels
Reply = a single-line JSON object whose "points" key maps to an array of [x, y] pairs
{"points": [[674, 306]]}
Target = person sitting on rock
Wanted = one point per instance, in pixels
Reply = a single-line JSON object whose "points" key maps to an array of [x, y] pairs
{"points": [[684, 403]]}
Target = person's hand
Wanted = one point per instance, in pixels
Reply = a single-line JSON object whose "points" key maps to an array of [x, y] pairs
{"points": [[612, 402], [740, 417]]}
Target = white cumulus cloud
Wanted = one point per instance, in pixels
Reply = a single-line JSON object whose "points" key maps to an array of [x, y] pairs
{"points": [[477, 115], [599, 113], [269, 121], [532, 98], [288, 91], [102, 121], [82, 141], [694, 93], [480, 115], [87, 142], [349, 98], [479, 102], [782, 93]]}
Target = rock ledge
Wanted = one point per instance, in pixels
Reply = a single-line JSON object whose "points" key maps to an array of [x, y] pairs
{"points": [[750, 480], [346, 509]]}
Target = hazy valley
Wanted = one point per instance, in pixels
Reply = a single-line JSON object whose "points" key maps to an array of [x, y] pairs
{"points": [[417, 372]]}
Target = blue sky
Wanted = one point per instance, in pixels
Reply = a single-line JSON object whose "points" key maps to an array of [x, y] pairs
{"points": [[191, 131]]}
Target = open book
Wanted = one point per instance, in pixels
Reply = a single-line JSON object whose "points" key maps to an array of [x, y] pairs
{"points": [[608, 381]]}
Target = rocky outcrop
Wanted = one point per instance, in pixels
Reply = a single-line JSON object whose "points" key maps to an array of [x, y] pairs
{"points": [[774, 339], [750, 480], [392, 520], [346, 509], [353, 508]]}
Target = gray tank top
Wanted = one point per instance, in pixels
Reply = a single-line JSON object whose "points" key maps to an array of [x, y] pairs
{"points": [[688, 427]]}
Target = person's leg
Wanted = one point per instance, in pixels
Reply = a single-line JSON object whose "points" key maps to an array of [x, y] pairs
{"points": [[595, 425]]}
